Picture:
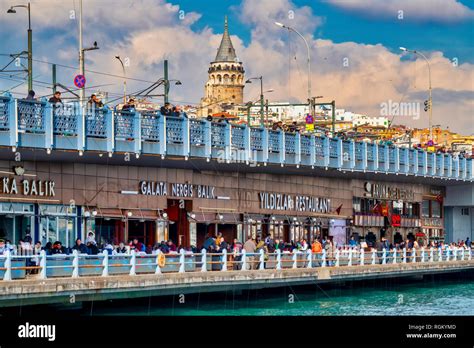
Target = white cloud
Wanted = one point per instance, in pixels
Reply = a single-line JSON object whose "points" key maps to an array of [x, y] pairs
{"points": [[445, 11], [148, 34]]}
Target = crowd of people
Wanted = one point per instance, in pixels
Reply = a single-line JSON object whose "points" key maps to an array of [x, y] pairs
{"points": [[215, 245]]}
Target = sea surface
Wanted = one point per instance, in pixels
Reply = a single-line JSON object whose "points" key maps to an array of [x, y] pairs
{"points": [[449, 297]]}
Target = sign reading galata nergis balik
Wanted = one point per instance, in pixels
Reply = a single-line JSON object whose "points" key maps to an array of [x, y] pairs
{"points": [[161, 188], [43, 188], [280, 201]]}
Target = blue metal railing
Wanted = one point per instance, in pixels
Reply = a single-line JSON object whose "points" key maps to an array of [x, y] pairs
{"points": [[273, 141], [124, 122], [238, 136], [150, 128], [96, 123], [4, 113], [196, 129], [38, 124], [31, 116]]}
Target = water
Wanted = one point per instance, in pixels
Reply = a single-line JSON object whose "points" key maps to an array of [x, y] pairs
{"points": [[420, 298]]}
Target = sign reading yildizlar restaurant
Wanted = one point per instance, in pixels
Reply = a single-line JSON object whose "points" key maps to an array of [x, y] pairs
{"points": [[279, 201], [152, 188], [28, 187]]}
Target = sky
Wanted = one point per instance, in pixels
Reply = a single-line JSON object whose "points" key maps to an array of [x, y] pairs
{"points": [[354, 49]]}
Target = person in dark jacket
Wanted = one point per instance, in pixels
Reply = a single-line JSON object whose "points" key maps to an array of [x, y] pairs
{"points": [[80, 247], [209, 244], [56, 98], [165, 110], [58, 248], [137, 246], [31, 95], [47, 248], [171, 245], [121, 249], [130, 106], [92, 248]]}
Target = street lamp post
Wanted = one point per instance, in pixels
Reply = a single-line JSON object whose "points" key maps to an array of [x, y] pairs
{"points": [[430, 105], [124, 80], [167, 87], [262, 117], [308, 58], [30, 44], [250, 103], [82, 91]]}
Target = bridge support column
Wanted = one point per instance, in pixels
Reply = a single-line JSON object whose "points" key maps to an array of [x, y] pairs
{"points": [[182, 260], [105, 264], [224, 260], [295, 258], [133, 263], [158, 268], [278, 265], [310, 259], [43, 265], [75, 264], [8, 266], [203, 261], [262, 260]]}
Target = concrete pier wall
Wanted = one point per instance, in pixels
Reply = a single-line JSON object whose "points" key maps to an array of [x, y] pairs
{"points": [[70, 290]]}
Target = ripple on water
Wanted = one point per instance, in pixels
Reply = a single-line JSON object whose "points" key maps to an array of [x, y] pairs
{"points": [[408, 299]]}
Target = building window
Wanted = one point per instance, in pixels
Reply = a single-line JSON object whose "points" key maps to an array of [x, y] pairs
{"points": [[398, 207], [425, 208], [58, 223], [435, 209], [465, 211], [356, 205]]}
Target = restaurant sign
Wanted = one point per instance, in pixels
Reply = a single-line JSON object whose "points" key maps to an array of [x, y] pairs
{"points": [[383, 191], [42, 188], [161, 188], [279, 201]]}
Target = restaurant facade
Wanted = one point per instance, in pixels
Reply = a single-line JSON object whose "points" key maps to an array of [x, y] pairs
{"points": [[64, 201]]}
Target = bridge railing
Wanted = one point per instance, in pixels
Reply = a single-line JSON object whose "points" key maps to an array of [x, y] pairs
{"points": [[39, 124], [78, 265]]}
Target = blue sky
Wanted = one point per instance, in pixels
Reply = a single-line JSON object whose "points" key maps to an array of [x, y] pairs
{"points": [[454, 39]]}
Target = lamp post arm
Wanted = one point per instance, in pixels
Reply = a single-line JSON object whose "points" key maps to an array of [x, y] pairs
{"points": [[429, 90], [309, 59]]}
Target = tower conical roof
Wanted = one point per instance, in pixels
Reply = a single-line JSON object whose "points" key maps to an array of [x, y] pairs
{"points": [[226, 51]]}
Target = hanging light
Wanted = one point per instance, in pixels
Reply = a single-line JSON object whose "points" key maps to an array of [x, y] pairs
{"points": [[129, 213], [94, 212]]}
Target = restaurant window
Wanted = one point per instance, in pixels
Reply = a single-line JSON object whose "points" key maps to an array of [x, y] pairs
{"points": [[16, 221], [425, 208], [58, 223], [356, 205], [397, 207], [435, 209]]}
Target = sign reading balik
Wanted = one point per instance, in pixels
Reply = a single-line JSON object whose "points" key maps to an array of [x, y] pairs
{"points": [[28, 187], [279, 201]]}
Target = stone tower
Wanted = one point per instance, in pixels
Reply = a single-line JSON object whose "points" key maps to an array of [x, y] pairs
{"points": [[225, 85]]}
